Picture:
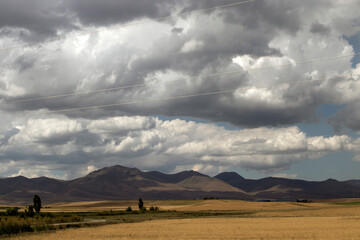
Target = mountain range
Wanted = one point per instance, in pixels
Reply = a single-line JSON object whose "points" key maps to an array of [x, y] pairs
{"points": [[122, 183]]}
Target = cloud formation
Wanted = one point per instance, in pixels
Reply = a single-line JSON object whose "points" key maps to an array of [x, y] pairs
{"points": [[119, 58], [249, 36], [151, 143]]}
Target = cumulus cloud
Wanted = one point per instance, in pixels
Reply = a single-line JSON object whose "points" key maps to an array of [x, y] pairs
{"points": [[120, 58], [47, 131], [34, 172], [164, 58], [176, 144], [121, 124], [285, 175], [347, 118]]}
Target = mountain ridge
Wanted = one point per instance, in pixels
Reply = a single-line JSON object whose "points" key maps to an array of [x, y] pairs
{"points": [[123, 183]]}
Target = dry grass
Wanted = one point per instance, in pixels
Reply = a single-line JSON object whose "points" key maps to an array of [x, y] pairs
{"points": [[182, 205], [219, 228], [269, 221]]}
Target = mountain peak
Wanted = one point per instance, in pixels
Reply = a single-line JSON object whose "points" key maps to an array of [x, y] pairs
{"points": [[331, 180], [115, 170], [226, 176]]}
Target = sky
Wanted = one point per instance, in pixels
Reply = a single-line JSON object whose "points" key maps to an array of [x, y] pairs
{"points": [[202, 90]]}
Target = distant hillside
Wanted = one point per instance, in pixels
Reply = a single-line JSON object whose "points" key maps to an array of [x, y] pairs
{"points": [[289, 189], [118, 183], [122, 183]]}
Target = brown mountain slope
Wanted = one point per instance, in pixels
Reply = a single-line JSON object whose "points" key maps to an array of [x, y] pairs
{"points": [[118, 183], [122, 183], [290, 189], [207, 184]]}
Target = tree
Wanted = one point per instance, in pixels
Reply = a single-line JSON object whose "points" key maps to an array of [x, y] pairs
{"points": [[141, 204], [37, 203]]}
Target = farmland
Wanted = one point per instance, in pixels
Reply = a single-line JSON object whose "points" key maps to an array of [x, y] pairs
{"points": [[220, 228], [200, 219]]}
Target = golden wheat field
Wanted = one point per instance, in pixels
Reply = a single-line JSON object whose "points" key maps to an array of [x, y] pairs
{"points": [[269, 220], [219, 228], [183, 205]]}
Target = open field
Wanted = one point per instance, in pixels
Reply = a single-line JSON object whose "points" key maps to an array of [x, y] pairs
{"points": [[330, 208], [219, 228], [215, 219], [182, 205]]}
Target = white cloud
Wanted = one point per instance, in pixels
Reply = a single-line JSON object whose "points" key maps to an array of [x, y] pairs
{"points": [[191, 46], [176, 144], [285, 175], [34, 172], [261, 34], [47, 130], [121, 124]]}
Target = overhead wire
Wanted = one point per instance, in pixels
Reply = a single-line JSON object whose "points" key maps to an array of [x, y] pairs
{"points": [[183, 79], [196, 95], [131, 24]]}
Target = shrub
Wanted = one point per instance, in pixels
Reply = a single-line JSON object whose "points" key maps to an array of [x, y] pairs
{"points": [[29, 212], [153, 209], [14, 227], [129, 209], [12, 211]]}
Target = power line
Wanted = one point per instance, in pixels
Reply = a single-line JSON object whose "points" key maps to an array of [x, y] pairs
{"points": [[196, 95], [184, 79], [132, 24]]}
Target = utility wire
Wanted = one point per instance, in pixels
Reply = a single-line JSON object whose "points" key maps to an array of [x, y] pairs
{"points": [[132, 24], [196, 95], [184, 79]]}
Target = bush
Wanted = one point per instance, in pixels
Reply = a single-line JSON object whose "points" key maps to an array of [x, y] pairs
{"points": [[14, 227], [29, 212], [129, 209], [153, 209], [12, 211]]}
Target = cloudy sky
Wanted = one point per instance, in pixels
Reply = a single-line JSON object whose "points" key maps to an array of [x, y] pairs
{"points": [[202, 91]]}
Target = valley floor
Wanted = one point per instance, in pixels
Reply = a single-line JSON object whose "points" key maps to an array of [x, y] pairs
{"points": [[220, 228], [218, 219]]}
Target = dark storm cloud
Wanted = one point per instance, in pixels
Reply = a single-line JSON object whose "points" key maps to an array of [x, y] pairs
{"points": [[207, 46], [347, 118], [34, 19], [98, 13], [249, 36], [266, 15], [320, 29], [8, 134]]}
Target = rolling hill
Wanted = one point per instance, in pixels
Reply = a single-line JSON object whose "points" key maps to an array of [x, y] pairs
{"points": [[290, 189]]}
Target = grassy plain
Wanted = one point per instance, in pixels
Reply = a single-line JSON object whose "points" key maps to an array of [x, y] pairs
{"points": [[213, 219], [219, 228]]}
